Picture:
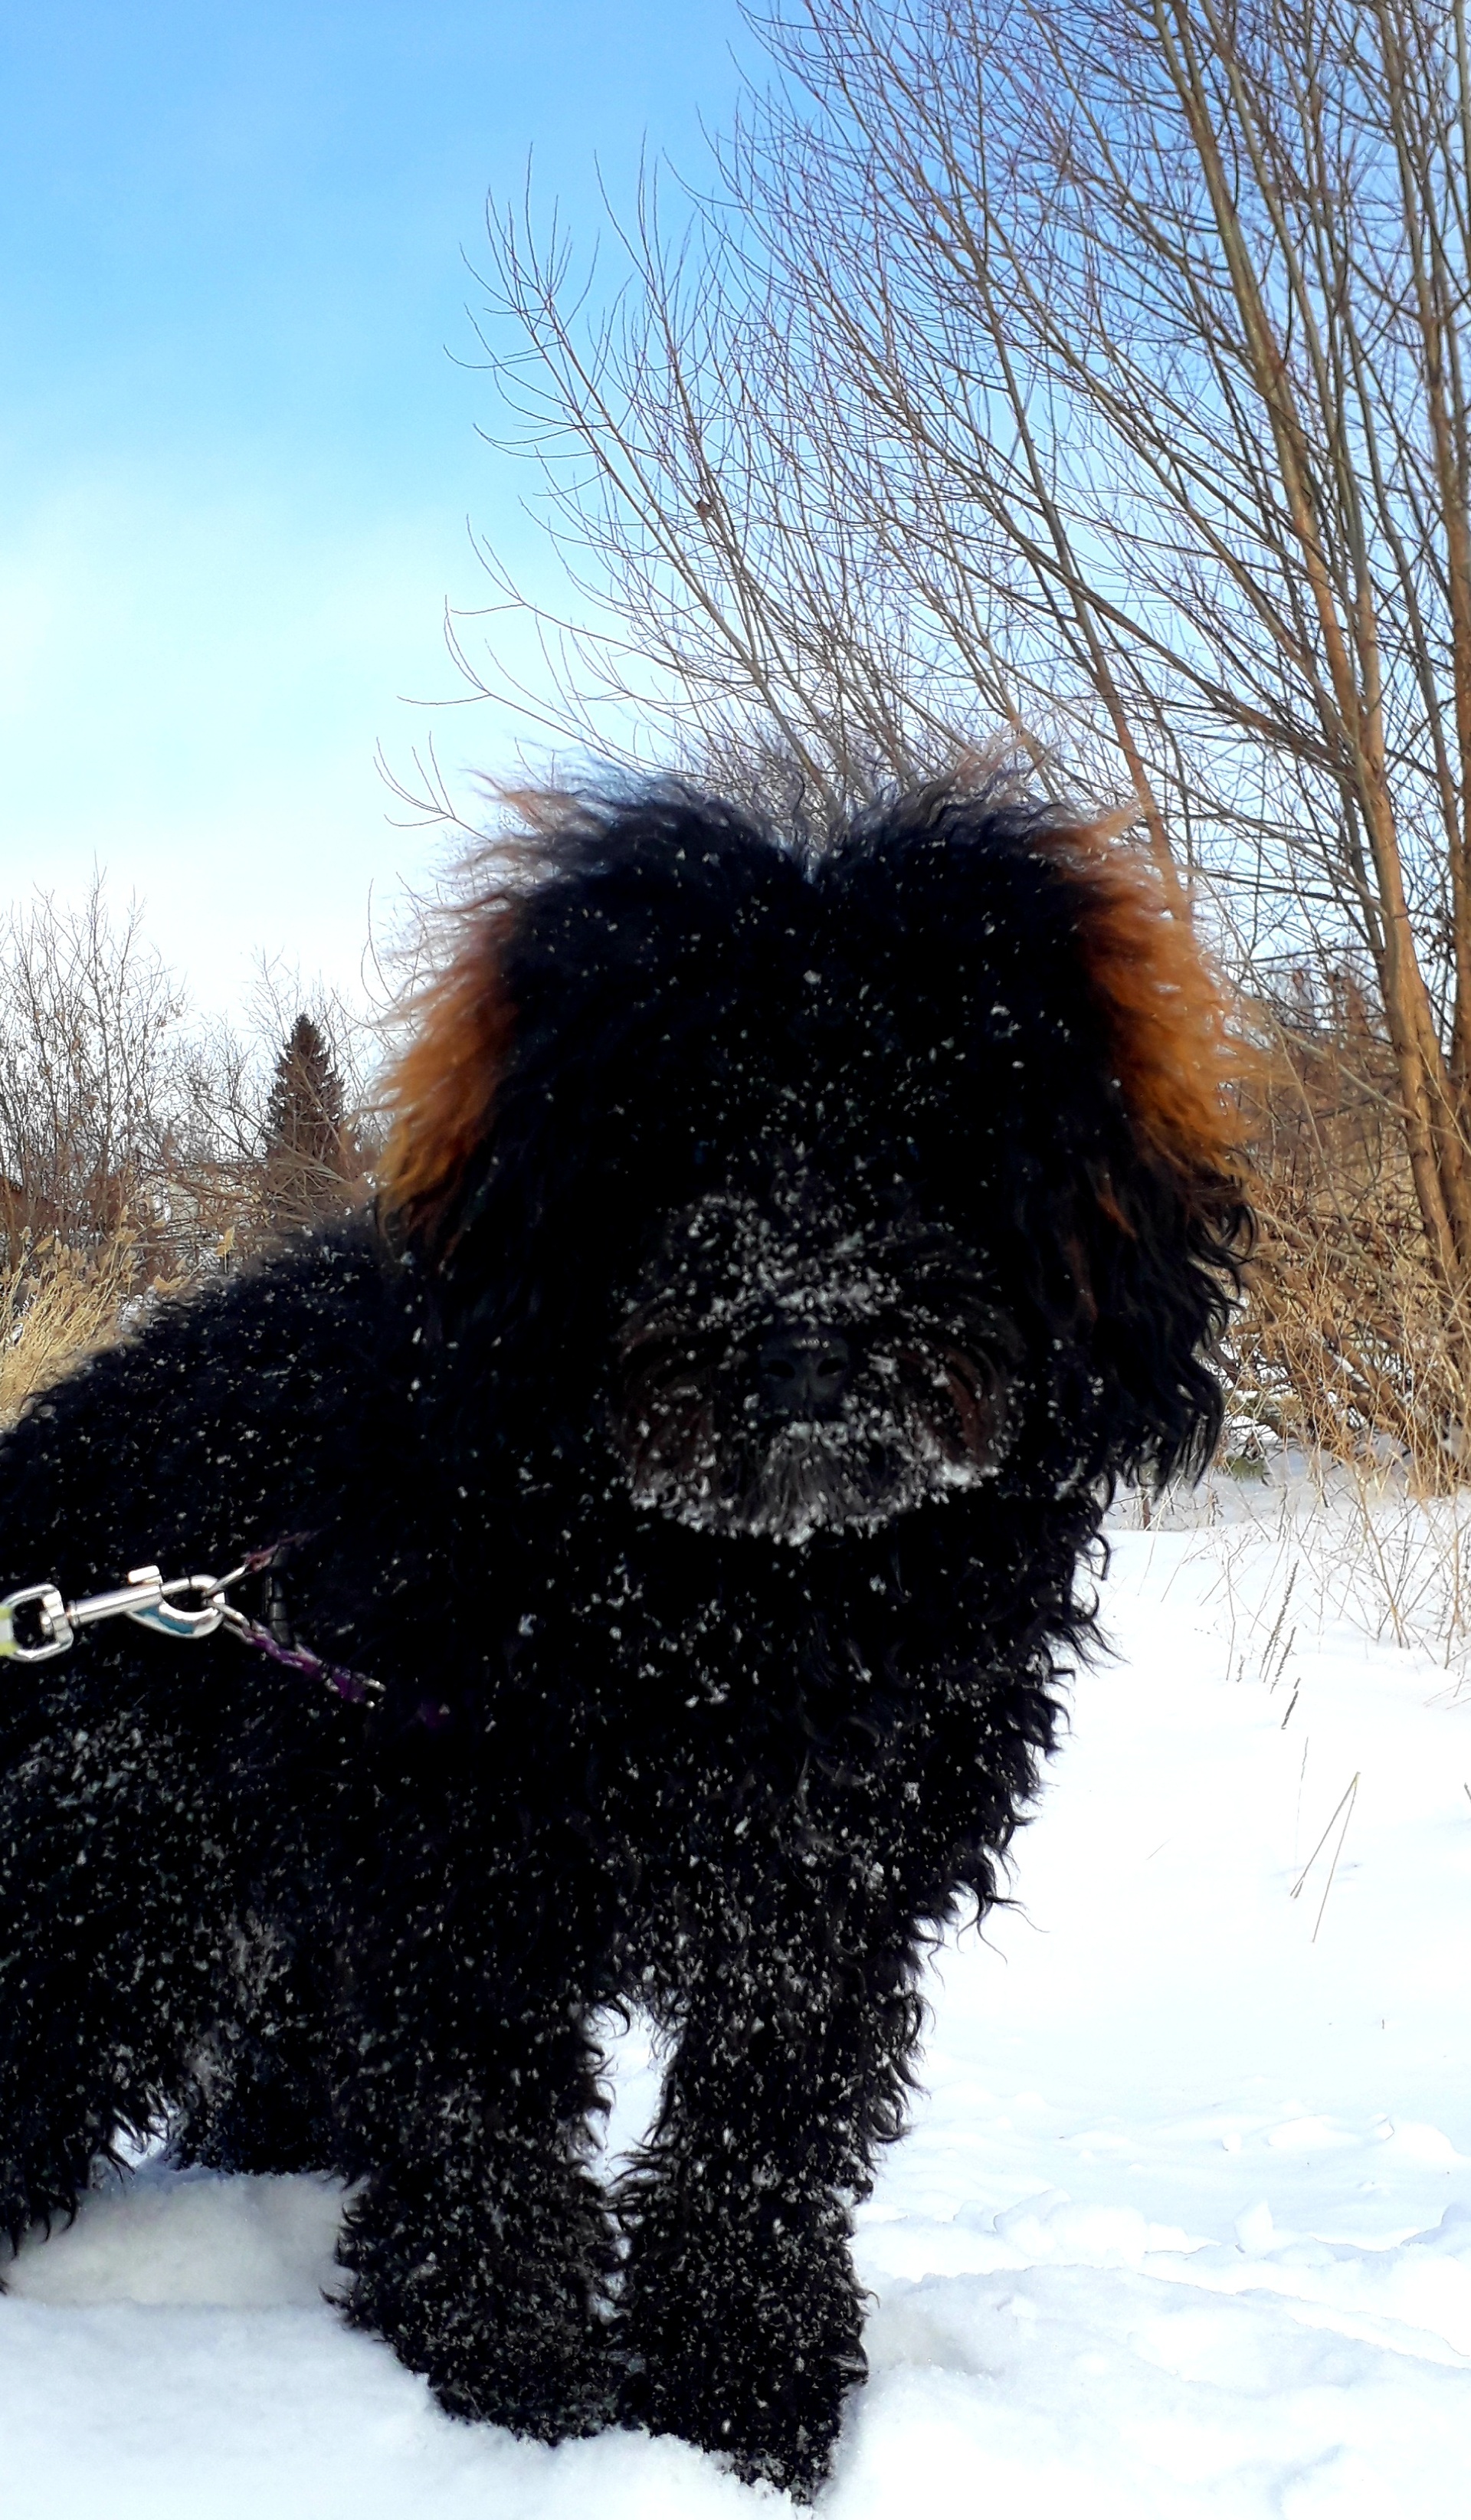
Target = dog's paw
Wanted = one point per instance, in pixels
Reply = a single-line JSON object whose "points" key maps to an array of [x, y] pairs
{"points": [[492, 2363], [507, 2324], [767, 2400], [558, 2396]]}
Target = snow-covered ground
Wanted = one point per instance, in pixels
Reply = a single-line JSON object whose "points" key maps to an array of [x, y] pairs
{"points": [[1183, 2228]]}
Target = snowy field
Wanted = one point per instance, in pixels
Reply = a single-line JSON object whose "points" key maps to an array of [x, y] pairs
{"points": [[1184, 2226]]}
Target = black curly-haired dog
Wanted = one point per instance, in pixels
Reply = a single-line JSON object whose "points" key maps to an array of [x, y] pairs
{"points": [[779, 1254]]}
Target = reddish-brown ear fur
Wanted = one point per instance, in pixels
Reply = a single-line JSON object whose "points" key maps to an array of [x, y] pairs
{"points": [[1167, 1012], [441, 1090]]}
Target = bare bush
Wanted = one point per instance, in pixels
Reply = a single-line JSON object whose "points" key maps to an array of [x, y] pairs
{"points": [[97, 1090], [1345, 1349]]}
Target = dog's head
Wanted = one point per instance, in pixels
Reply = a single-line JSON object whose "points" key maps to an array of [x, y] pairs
{"points": [[822, 1187], [793, 1361]]}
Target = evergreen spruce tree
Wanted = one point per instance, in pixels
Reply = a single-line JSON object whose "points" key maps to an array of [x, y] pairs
{"points": [[309, 1153]]}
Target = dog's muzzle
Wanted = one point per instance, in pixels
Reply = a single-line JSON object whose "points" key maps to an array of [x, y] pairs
{"points": [[782, 1383]]}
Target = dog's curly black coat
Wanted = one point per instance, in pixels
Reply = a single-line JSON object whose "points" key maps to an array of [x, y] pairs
{"points": [[779, 1254]]}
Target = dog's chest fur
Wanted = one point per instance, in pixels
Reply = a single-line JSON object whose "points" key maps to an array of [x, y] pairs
{"points": [[722, 1724]]}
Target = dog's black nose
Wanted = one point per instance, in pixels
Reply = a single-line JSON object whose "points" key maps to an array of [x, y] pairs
{"points": [[803, 1371]]}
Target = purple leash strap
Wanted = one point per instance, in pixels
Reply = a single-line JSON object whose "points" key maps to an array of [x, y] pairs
{"points": [[353, 1685]]}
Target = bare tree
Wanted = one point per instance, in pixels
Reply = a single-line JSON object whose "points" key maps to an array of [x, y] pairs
{"points": [[135, 1136], [93, 1091], [1087, 371]]}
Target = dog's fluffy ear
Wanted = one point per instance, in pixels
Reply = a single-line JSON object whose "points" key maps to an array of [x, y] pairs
{"points": [[1173, 1222], [440, 1093], [1179, 1058]]}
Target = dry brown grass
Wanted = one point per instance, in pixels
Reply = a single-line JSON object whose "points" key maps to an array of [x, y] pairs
{"points": [[1348, 1346], [54, 1309]]}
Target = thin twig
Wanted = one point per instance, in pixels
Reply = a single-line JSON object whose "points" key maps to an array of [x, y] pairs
{"points": [[1346, 1806]]}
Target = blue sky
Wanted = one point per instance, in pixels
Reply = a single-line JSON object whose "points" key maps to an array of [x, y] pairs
{"points": [[236, 460]]}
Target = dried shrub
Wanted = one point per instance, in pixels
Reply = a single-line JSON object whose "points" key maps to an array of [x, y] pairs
{"points": [[55, 1308], [1349, 1346]]}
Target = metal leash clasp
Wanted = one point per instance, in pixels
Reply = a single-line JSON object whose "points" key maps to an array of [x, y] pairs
{"points": [[155, 1604], [186, 1606]]}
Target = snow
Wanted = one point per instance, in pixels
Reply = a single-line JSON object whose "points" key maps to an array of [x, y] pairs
{"points": [[1182, 2226]]}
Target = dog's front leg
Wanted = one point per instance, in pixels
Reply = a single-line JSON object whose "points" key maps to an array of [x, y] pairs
{"points": [[741, 2318], [118, 1891], [480, 2244]]}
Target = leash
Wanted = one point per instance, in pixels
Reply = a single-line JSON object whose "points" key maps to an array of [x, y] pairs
{"points": [[185, 1607]]}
